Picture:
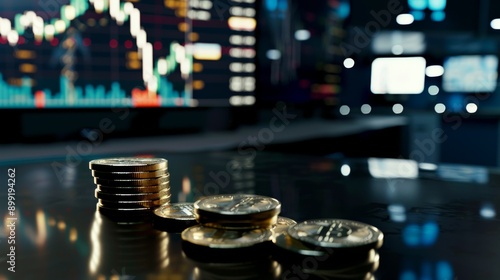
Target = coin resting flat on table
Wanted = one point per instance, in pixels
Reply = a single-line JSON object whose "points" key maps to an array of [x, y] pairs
{"points": [[174, 217], [289, 250], [337, 234]]}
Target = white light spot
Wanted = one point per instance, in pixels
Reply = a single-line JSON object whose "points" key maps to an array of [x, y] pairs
{"points": [[397, 50], [433, 90], [488, 212], [471, 108], [405, 19], [366, 109], [349, 63], [69, 12], [398, 75], [344, 110], [273, 54], [236, 67], [345, 170], [397, 108], [392, 168], [302, 35], [236, 40], [249, 100], [495, 24], [249, 67], [427, 166], [249, 40], [434, 71], [236, 100], [13, 37], [440, 108]]}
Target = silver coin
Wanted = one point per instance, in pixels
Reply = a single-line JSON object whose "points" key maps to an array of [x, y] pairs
{"points": [[177, 211], [131, 197], [282, 224], [225, 239], [285, 241], [123, 211], [337, 233], [237, 224], [108, 175], [133, 164], [237, 204], [133, 190], [135, 204], [113, 182]]}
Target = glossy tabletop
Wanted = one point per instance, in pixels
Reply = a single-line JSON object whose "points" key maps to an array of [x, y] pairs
{"points": [[439, 221]]}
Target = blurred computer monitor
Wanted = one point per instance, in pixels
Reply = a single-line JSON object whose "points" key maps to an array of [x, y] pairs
{"points": [[67, 65], [102, 54]]}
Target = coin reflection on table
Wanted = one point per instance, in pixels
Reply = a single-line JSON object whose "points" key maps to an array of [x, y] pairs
{"points": [[174, 264], [125, 248], [206, 244], [266, 269]]}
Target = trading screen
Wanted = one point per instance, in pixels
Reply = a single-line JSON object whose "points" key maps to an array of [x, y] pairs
{"points": [[116, 53]]}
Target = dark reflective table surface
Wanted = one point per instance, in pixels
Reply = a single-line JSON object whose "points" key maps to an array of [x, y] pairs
{"points": [[439, 221]]}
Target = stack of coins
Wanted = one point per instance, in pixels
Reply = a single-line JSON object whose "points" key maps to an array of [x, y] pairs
{"points": [[231, 228], [330, 248], [130, 187]]}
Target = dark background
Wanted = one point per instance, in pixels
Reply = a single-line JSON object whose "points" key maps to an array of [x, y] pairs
{"points": [[318, 61]]}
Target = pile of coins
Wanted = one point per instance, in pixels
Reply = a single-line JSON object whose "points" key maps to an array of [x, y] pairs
{"points": [[231, 227], [246, 229], [130, 187]]}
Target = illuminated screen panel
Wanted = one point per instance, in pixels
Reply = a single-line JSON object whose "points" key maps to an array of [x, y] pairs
{"points": [[398, 75], [114, 53], [470, 73]]}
